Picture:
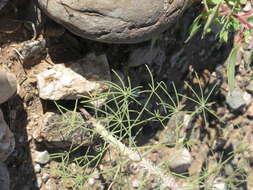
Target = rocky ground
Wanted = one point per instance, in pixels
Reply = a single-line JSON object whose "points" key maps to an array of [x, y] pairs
{"points": [[210, 151]]}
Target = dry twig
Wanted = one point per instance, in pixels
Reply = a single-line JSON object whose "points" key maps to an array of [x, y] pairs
{"points": [[166, 181]]}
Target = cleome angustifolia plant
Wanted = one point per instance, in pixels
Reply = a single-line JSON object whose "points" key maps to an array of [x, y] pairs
{"points": [[126, 114]]}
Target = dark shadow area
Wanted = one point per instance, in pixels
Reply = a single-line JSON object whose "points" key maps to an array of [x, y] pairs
{"points": [[19, 163]]}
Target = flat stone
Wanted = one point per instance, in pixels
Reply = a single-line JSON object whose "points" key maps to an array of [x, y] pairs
{"points": [[75, 79], [115, 21]]}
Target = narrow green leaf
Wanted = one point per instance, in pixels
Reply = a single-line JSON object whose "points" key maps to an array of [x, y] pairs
{"points": [[231, 62], [194, 27], [213, 2], [210, 19]]}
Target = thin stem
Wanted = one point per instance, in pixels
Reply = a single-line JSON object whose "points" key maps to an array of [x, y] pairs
{"points": [[167, 181]]}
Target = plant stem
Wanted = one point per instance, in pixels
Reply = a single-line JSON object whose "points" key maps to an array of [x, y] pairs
{"points": [[166, 181], [241, 18]]}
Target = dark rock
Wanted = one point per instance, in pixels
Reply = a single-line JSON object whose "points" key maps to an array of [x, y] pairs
{"points": [[32, 49], [115, 21], [147, 55], [63, 131]]}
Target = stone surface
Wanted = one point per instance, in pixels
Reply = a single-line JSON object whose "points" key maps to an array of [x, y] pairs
{"points": [[51, 185], [38, 182], [4, 177], [8, 85], [7, 141], [147, 55], [179, 160], [32, 49], [237, 99], [219, 184], [41, 157], [37, 168], [175, 130], [136, 183], [62, 131], [115, 21], [72, 80]]}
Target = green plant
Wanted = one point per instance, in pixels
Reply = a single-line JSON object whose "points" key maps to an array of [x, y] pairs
{"points": [[119, 121], [231, 18]]}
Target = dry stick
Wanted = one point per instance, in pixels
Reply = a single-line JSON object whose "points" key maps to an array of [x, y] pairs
{"points": [[167, 181]]}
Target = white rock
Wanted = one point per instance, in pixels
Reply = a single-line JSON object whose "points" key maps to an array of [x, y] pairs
{"points": [[135, 183], [247, 7], [41, 157], [74, 79], [180, 160], [218, 184], [37, 168], [91, 181], [247, 98], [38, 183], [45, 177], [51, 185]]}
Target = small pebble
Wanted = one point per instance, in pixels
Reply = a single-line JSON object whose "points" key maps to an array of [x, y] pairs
{"points": [[219, 184], [247, 7], [91, 181], [135, 183], [37, 168], [41, 157], [247, 98], [237, 99], [45, 177], [180, 160], [51, 185], [38, 183]]}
